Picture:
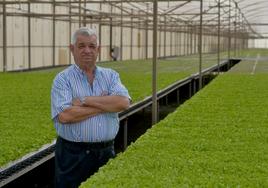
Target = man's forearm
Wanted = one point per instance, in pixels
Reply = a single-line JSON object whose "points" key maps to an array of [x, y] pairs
{"points": [[75, 114], [108, 103]]}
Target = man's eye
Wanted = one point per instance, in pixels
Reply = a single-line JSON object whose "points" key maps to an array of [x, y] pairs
{"points": [[93, 47]]}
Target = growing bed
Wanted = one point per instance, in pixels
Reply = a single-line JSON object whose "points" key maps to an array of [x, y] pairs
{"points": [[218, 138], [25, 100]]}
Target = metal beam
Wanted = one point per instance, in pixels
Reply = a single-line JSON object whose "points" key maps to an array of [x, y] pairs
{"points": [[29, 39], [4, 38], [154, 68], [88, 1], [200, 44]]}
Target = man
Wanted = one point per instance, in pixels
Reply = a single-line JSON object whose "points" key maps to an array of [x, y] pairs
{"points": [[85, 101]]}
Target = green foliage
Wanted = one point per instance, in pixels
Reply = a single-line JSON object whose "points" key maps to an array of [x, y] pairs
{"points": [[255, 64], [25, 100], [252, 53], [25, 113], [219, 138], [137, 75]]}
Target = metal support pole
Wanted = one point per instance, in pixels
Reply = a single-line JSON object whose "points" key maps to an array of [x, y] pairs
{"points": [[195, 40], [100, 41], [229, 31], [29, 37], [131, 37], [154, 74], [4, 38], [178, 96], [146, 33], [200, 44], [176, 43], [111, 30], [183, 39], [166, 100], [70, 30], [121, 33], [171, 43], [165, 36], [179, 43], [139, 37], [84, 14], [79, 12], [159, 41], [191, 40], [235, 33], [100, 31], [53, 34], [194, 86], [188, 40], [219, 35], [190, 89], [125, 134]]}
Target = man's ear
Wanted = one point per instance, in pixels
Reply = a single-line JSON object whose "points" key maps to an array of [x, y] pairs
{"points": [[99, 49], [71, 48]]}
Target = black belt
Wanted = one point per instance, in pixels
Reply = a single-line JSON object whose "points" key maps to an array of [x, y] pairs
{"points": [[95, 145]]}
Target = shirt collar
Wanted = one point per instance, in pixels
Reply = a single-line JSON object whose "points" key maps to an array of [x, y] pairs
{"points": [[77, 68], [81, 72]]}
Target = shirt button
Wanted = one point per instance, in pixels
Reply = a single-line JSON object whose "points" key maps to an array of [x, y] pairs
{"points": [[87, 151], [99, 125]]}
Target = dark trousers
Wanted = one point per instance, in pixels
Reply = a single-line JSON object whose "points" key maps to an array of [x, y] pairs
{"points": [[75, 162]]}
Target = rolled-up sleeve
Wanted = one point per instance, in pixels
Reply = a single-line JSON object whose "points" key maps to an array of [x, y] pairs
{"points": [[61, 96]]}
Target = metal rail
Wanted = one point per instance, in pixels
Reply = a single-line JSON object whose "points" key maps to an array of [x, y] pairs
{"points": [[26, 164]]}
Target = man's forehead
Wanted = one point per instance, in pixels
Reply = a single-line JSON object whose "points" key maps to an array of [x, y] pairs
{"points": [[86, 39]]}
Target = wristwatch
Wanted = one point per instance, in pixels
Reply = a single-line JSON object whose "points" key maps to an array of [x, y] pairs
{"points": [[83, 101]]}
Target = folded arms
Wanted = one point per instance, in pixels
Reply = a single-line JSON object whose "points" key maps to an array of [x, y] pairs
{"points": [[93, 105]]}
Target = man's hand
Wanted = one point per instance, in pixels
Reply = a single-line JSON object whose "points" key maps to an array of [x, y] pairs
{"points": [[104, 93], [77, 102], [108, 103]]}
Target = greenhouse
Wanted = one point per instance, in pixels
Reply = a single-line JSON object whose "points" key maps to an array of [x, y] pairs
{"points": [[196, 72]]}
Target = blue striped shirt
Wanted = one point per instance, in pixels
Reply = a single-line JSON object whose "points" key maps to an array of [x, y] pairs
{"points": [[73, 83]]}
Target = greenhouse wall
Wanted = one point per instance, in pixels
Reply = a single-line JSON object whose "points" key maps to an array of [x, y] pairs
{"points": [[259, 43], [105, 43], [36, 42], [17, 42]]}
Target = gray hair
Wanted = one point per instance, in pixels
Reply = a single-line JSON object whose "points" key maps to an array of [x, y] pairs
{"points": [[85, 32]]}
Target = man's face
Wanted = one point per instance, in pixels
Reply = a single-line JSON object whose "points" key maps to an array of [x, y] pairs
{"points": [[85, 50]]}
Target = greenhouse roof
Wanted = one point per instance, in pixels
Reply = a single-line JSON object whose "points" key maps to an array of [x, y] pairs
{"points": [[245, 17]]}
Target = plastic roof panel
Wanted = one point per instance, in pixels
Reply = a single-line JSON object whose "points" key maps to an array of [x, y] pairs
{"points": [[245, 16]]}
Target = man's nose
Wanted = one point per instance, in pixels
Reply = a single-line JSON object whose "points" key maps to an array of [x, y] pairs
{"points": [[87, 49]]}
